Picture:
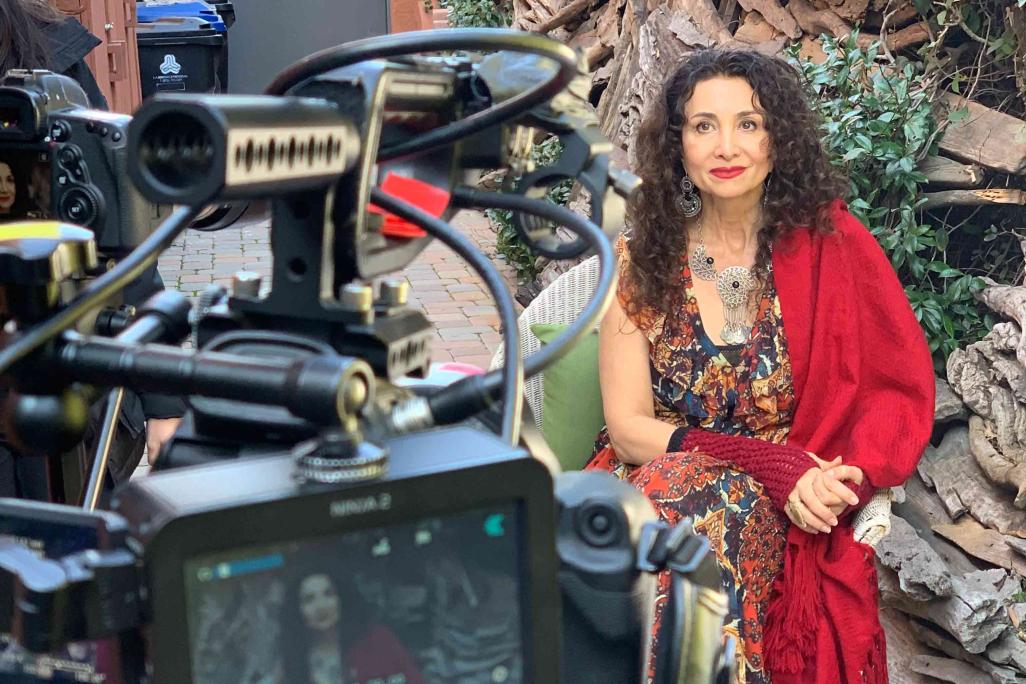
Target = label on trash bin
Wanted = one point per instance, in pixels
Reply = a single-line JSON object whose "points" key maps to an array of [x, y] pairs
{"points": [[171, 76]]}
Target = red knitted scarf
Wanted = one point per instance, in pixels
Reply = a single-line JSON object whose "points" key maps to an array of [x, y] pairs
{"points": [[863, 380], [864, 385]]}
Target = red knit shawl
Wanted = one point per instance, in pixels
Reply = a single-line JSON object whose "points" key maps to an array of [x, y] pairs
{"points": [[864, 384]]}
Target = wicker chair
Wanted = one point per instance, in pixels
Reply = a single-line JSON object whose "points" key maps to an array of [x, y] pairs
{"points": [[563, 300]]}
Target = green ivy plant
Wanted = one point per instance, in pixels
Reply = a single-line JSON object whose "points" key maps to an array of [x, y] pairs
{"points": [[478, 13], [878, 123]]}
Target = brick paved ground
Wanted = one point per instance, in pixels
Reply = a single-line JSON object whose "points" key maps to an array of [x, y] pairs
{"points": [[442, 285]]}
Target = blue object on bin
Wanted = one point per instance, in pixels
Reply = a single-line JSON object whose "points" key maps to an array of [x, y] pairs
{"points": [[152, 11]]}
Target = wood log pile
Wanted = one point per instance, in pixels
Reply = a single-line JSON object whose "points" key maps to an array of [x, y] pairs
{"points": [[629, 45], [951, 570]]}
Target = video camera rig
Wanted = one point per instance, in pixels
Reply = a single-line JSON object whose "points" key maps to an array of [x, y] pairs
{"points": [[361, 150]]}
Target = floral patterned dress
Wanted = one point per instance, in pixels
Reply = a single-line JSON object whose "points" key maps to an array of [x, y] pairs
{"points": [[741, 389]]}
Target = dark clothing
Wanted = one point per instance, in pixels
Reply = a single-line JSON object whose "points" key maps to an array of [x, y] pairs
{"points": [[70, 42], [23, 478]]}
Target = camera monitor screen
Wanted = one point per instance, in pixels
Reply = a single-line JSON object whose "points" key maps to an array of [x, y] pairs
{"points": [[435, 600], [24, 185]]}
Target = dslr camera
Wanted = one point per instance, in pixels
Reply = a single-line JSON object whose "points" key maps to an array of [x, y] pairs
{"points": [[61, 160], [326, 512]]}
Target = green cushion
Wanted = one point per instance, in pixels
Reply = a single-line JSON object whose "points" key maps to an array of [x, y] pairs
{"points": [[572, 403]]}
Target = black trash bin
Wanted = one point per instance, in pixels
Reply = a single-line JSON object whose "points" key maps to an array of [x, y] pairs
{"points": [[181, 54], [226, 11]]}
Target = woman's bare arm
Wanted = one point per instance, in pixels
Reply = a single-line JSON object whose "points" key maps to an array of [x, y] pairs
{"points": [[636, 435]]}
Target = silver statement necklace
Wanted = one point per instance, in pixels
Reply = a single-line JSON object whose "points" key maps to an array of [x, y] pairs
{"points": [[733, 285]]}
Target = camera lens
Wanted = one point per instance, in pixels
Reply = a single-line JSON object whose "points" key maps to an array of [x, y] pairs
{"points": [[177, 150], [598, 524]]}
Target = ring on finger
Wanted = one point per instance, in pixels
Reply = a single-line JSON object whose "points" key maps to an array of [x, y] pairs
{"points": [[796, 513]]}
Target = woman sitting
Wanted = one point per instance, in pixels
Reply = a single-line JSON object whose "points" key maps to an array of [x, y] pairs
{"points": [[762, 371]]}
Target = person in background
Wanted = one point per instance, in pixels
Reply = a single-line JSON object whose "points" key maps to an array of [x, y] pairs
{"points": [[34, 35], [329, 636], [8, 189], [762, 371]]}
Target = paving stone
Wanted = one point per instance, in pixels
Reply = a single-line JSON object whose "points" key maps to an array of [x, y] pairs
{"points": [[472, 342], [195, 278], [477, 310], [452, 322], [490, 320], [458, 274], [473, 330], [441, 307], [432, 297]]}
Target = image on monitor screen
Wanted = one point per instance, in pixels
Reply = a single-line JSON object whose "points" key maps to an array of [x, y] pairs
{"points": [[435, 600], [24, 185]]}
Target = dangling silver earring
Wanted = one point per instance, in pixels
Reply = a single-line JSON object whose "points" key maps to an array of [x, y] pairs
{"points": [[689, 202]]}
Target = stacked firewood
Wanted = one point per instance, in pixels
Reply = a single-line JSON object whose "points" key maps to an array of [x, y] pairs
{"points": [[951, 570], [630, 44]]}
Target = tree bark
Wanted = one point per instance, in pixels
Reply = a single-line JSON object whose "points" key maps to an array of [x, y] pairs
{"points": [[1010, 302]]}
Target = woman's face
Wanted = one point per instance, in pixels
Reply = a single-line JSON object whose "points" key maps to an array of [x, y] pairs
{"points": [[7, 188], [725, 143], [318, 602]]}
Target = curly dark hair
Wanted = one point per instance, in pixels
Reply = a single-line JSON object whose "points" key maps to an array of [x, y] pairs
{"points": [[354, 616], [799, 190]]}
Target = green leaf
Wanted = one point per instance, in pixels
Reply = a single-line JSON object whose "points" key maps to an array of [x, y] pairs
{"points": [[956, 115], [949, 326]]}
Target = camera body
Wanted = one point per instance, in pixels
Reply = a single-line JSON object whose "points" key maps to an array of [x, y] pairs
{"points": [[70, 162], [460, 553]]}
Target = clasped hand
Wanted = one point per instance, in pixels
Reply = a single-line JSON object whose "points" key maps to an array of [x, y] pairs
{"points": [[820, 495]]}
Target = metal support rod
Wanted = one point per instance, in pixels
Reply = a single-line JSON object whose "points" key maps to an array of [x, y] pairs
{"points": [[107, 431]]}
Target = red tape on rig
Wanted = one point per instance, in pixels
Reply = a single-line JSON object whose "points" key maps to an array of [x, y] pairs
{"points": [[424, 196]]}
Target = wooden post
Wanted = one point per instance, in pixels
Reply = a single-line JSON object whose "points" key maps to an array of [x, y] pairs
{"points": [[114, 63], [412, 15]]}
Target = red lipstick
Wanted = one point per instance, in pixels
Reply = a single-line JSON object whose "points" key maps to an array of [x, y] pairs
{"points": [[726, 172]]}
